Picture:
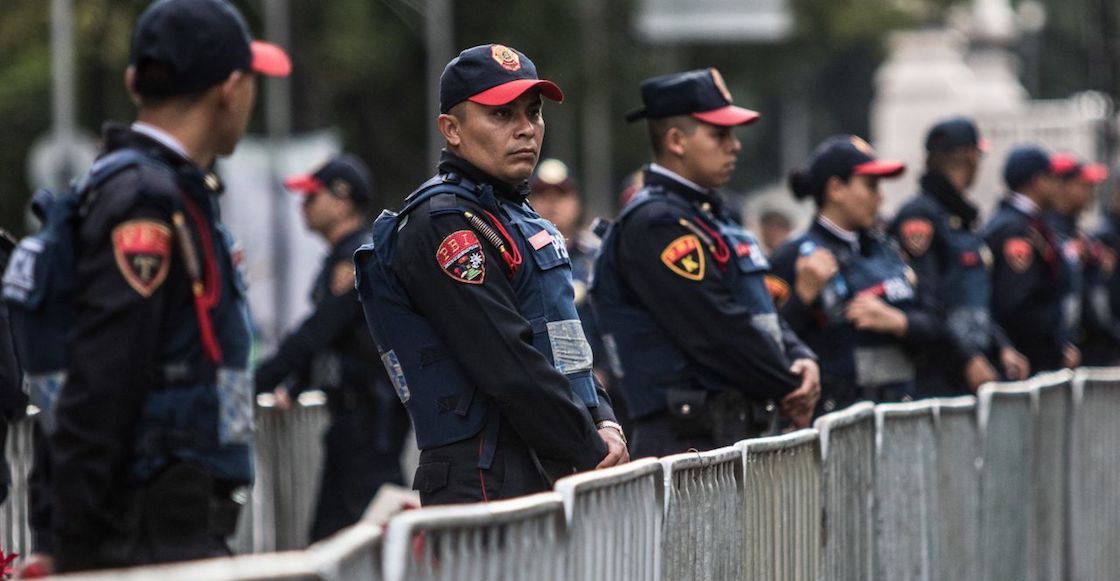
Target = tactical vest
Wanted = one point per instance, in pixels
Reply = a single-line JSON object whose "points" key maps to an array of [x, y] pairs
{"points": [[643, 356], [201, 410], [967, 276], [851, 357], [444, 404]]}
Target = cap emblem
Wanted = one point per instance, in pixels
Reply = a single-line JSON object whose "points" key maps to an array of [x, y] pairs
{"points": [[722, 86], [863, 146], [340, 188], [505, 57]]}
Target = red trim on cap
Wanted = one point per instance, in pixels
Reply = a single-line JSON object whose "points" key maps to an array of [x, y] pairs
{"points": [[984, 145], [1094, 173], [1064, 164], [880, 167], [270, 60], [728, 116], [507, 92], [304, 184]]}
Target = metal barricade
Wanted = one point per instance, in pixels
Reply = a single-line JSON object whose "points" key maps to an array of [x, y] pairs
{"points": [[290, 566], [905, 491], [614, 521], [1095, 476], [15, 532], [703, 515], [288, 459], [352, 553], [1052, 395], [506, 540], [956, 531], [782, 505], [847, 484], [1007, 421]]}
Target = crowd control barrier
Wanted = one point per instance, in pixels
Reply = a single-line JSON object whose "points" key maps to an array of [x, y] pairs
{"points": [[1018, 483]]}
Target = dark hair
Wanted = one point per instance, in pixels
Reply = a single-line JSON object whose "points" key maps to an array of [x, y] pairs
{"points": [[659, 127], [802, 185]]}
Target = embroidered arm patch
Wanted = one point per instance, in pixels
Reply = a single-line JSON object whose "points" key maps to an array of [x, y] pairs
{"points": [[916, 234], [685, 257], [142, 249], [1018, 253], [461, 257]]}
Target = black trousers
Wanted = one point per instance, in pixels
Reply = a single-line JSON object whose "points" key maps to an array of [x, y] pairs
{"points": [[450, 474], [654, 436], [355, 464], [180, 515]]}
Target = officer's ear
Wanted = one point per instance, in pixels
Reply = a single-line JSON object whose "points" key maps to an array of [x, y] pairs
{"points": [[675, 141], [450, 126], [230, 87], [129, 79]]}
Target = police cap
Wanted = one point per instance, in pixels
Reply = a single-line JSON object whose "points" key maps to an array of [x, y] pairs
{"points": [[491, 74], [701, 94], [344, 176]]}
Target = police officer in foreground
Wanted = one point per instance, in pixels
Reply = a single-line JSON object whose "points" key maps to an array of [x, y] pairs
{"points": [[937, 231], [468, 294], [680, 290], [154, 423], [1029, 278], [332, 351], [1087, 312]]}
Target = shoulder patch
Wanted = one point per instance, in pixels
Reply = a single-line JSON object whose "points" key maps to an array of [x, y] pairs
{"points": [[685, 257], [1019, 253], [916, 235], [778, 289], [461, 257], [342, 278], [142, 249]]}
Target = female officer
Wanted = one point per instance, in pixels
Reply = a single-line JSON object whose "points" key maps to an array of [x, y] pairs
{"points": [[843, 288]]}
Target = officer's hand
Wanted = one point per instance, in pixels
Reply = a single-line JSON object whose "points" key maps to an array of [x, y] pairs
{"points": [[977, 372], [283, 399], [869, 313], [616, 448], [1015, 365], [812, 274], [799, 404], [1071, 356]]}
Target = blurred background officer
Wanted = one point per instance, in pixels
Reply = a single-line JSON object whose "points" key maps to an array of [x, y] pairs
{"points": [[1090, 263], [679, 287], [557, 198], [937, 230], [154, 423], [844, 287], [468, 293], [12, 399], [774, 227], [1029, 278], [1102, 351], [332, 351]]}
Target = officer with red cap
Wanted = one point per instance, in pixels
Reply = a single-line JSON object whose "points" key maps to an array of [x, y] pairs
{"points": [[680, 293], [152, 427], [468, 294]]}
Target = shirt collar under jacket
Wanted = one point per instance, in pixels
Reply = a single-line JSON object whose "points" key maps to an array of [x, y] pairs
{"points": [[660, 169], [164, 138], [846, 236], [1024, 204]]}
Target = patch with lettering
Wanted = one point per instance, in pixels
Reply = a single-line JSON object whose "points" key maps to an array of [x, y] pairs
{"points": [[142, 249], [461, 257], [778, 289], [916, 234], [685, 257], [1019, 254]]}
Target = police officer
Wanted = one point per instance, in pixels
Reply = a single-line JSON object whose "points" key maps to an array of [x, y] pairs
{"points": [[1029, 277], [154, 422], [1087, 314], [12, 399], [679, 289], [468, 294], [332, 350], [937, 230], [1102, 351], [843, 286]]}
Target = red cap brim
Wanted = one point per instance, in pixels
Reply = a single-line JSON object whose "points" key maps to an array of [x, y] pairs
{"points": [[270, 60], [728, 116], [984, 145], [881, 168], [1062, 164], [507, 92], [304, 184], [1094, 173]]}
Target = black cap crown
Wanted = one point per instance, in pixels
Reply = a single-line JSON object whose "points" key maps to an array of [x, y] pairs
{"points": [[701, 94], [490, 74], [344, 176]]}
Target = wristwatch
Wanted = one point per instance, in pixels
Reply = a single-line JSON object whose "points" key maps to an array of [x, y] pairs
{"points": [[614, 426]]}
